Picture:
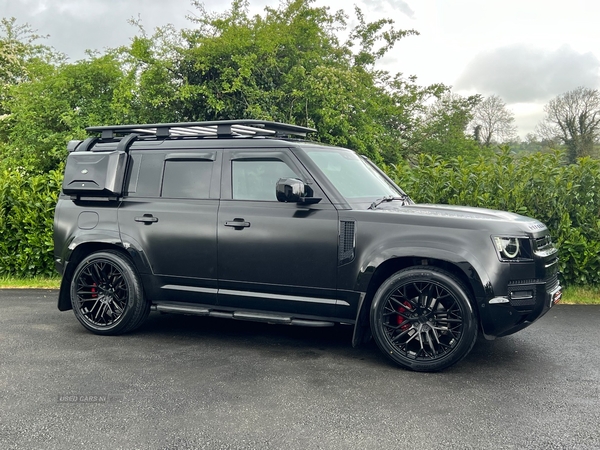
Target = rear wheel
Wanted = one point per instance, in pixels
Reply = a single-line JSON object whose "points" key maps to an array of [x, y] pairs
{"points": [[422, 319], [107, 295]]}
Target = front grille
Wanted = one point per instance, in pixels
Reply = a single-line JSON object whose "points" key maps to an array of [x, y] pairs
{"points": [[522, 302], [550, 282], [531, 281], [524, 294]]}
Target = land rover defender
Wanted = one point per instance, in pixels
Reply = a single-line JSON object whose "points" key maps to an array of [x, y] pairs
{"points": [[248, 220]]}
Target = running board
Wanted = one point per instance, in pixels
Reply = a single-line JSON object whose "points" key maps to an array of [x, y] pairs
{"points": [[182, 309], [260, 317], [239, 315]]}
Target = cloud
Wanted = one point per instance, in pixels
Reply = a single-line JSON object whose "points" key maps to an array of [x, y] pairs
{"points": [[519, 73], [400, 5], [77, 25], [74, 26]]}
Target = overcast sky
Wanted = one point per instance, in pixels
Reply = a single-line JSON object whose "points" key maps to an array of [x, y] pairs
{"points": [[525, 51]]}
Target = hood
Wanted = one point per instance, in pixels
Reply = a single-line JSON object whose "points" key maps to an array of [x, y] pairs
{"points": [[463, 212]]}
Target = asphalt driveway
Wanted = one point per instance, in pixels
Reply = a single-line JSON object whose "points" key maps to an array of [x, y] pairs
{"points": [[193, 382]]}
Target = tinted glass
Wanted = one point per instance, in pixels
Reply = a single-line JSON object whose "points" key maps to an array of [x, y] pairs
{"points": [[257, 179], [145, 176], [350, 174], [187, 179]]}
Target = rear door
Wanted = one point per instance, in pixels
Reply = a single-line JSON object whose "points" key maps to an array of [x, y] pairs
{"points": [[274, 256], [170, 213]]}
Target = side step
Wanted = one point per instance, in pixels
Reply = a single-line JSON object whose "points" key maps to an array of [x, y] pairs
{"points": [[194, 310], [181, 309]]}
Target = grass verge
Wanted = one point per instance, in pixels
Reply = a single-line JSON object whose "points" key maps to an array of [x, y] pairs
{"points": [[29, 283], [581, 295], [575, 295]]}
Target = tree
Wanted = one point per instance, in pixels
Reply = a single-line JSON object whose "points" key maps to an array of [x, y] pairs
{"points": [[288, 65], [492, 122], [20, 56], [442, 129], [56, 106], [573, 118], [18, 47], [24, 62]]}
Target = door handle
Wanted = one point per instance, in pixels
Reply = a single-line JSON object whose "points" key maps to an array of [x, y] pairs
{"points": [[146, 219], [237, 223]]}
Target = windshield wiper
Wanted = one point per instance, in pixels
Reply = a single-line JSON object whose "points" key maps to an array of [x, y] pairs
{"points": [[388, 198]]}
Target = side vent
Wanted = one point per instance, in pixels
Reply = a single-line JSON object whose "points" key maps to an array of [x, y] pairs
{"points": [[346, 241]]}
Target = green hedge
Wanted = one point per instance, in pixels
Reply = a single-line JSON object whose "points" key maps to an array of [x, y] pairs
{"points": [[565, 197], [26, 213]]}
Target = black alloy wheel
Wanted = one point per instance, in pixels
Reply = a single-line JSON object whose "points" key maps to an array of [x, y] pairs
{"points": [[107, 295], [423, 320]]}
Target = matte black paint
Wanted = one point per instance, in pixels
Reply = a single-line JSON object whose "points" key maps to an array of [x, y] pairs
{"points": [[285, 259]]}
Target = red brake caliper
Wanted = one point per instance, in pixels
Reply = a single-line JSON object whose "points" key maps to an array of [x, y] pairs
{"points": [[94, 295], [400, 319]]}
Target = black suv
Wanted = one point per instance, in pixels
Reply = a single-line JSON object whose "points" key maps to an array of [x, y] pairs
{"points": [[244, 219]]}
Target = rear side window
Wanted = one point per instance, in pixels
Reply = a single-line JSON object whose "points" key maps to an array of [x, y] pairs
{"points": [[171, 175], [187, 179], [144, 180]]}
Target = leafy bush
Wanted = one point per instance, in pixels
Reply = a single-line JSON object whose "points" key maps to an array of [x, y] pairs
{"points": [[26, 214], [565, 197]]}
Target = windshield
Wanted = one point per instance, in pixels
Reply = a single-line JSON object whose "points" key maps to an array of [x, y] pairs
{"points": [[351, 175]]}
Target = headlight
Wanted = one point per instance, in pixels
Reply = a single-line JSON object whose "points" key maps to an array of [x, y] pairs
{"points": [[510, 248]]}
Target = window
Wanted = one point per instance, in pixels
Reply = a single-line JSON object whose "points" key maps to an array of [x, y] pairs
{"points": [[257, 179], [350, 175], [187, 179], [144, 180]]}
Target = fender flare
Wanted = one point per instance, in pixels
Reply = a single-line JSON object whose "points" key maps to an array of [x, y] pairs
{"points": [[98, 239], [472, 268], [457, 257]]}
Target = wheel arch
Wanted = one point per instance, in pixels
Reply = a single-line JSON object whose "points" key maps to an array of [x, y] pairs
{"points": [[463, 270], [77, 254]]}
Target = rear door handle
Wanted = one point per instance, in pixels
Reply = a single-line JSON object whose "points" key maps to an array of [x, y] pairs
{"points": [[237, 223], [146, 219]]}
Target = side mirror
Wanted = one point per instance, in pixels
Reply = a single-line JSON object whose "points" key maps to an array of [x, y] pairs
{"points": [[293, 190]]}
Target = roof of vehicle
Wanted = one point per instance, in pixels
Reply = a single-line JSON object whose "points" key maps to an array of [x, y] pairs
{"points": [[219, 128], [241, 133]]}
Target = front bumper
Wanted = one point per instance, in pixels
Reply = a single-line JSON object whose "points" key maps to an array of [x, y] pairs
{"points": [[525, 303], [524, 292]]}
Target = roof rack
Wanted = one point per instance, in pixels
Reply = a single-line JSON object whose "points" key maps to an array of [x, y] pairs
{"points": [[217, 128]]}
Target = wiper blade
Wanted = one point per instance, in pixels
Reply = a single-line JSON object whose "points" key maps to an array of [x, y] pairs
{"points": [[388, 198]]}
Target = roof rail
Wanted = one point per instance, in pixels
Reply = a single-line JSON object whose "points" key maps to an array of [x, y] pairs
{"points": [[216, 128]]}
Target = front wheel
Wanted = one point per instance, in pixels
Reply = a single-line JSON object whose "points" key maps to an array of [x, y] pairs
{"points": [[107, 295], [422, 319]]}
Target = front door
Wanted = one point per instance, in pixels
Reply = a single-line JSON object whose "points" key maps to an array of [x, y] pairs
{"points": [[271, 255]]}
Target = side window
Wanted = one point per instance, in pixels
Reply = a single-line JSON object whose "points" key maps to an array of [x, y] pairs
{"points": [[187, 179], [256, 179], [144, 179]]}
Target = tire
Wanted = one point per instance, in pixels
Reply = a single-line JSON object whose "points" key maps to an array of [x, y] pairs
{"points": [[422, 319], [107, 295]]}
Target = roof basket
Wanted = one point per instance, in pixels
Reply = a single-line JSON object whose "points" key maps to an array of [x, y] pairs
{"points": [[218, 128]]}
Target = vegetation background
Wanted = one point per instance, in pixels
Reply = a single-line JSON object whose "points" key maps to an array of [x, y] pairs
{"points": [[290, 65]]}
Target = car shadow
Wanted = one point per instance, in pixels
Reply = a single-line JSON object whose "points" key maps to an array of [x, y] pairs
{"points": [[273, 340]]}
